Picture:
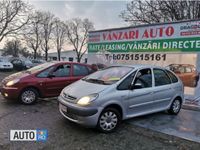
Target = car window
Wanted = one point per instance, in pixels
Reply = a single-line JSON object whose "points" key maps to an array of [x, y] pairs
{"points": [[45, 73], [17, 62], [125, 84], [181, 69], [62, 71], [172, 76], [188, 69], [90, 70], [40, 67], [80, 70], [161, 78], [143, 79]]}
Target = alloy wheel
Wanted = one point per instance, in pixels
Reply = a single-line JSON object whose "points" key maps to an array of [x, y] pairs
{"points": [[28, 97], [176, 106], [108, 121]]}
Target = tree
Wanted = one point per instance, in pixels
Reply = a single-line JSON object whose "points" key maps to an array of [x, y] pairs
{"points": [[32, 33], [13, 16], [59, 33], [151, 11], [77, 31], [15, 48], [47, 26]]}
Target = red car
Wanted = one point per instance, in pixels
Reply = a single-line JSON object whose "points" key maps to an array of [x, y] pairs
{"points": [[45, 80]]}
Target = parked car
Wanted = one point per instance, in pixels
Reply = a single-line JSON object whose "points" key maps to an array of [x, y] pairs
{"points": [[45, 80], [187, 73], [108, 96], [37, 62], [21, 64], [5, 65]]}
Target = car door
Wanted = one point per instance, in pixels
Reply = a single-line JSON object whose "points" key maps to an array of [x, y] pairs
{"points": [[140, 100], [181, 72], [59, 78], [189, 75], [163, 91]]}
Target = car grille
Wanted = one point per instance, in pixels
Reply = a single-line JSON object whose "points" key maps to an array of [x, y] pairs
{"points": [[70, 115], [69, 97], [6, 65]]}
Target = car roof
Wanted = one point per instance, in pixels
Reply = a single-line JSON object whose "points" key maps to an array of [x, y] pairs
{"points": [[63, 62], [181, 65], [137, 66]]}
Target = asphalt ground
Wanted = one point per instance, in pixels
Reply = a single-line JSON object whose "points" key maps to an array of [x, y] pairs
{"points": [[62, 134]]}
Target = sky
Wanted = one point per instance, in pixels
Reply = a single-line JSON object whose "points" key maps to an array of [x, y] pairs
{"points": [[104, 14]]}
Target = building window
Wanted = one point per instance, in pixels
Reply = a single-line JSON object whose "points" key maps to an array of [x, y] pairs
{"points": [[54, 58], [86, 60], [71, 59]]}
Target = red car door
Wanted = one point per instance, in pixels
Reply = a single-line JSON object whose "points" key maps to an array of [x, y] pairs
{"points": [[60, 77]]}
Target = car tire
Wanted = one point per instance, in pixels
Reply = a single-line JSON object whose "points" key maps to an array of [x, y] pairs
{"points": [[29, 96], [175, 107], [109, 120]]}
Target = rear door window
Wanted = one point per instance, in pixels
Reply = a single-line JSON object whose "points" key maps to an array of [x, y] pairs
{"points": [[172, 76], [161, 78], [80, 70]]}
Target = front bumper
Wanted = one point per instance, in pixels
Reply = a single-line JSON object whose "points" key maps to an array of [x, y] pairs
{"points": [[6, 68], [10, 92], [87, 116]]}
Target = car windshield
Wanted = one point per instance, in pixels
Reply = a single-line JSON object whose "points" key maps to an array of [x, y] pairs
{"points": [[39, 67], [3, 60], [109, 75], [28, 62]]}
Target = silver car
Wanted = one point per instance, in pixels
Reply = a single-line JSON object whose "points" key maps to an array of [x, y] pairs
{"points": [[108, 96]]}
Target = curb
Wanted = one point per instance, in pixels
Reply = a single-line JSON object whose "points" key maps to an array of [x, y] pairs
{"points": [[191, 107]]}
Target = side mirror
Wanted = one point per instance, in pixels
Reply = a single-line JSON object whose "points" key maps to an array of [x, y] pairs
{"points": [[136, 86]]}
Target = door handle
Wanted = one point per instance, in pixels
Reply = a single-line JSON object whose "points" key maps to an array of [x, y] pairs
{"points": [[151, 93], [40, 83]]}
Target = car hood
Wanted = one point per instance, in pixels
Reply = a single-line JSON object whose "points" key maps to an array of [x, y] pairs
{"points": [[5, 63], [82, 88], [18, 75]]}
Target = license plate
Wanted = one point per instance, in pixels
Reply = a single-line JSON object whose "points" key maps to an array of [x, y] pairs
{"points": [[63, 108]]}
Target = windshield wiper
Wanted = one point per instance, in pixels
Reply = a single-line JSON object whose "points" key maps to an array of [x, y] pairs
{"points": [[95, 81], [27, 71]]}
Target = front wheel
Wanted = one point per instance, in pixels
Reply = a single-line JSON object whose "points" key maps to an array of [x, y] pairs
{"points": [[29, 96], [109, 120], [175, 107]]}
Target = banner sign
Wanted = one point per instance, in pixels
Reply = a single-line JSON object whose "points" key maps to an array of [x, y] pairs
{"points": [[181, 36]]}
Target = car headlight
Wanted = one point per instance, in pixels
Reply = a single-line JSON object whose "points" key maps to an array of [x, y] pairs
{"points": [[85, 100], [12, 82]]}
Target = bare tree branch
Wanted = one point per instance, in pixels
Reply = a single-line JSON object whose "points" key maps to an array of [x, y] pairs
{"points": [[32, 33], [47, 27], [59, 35], [13, 16], [77, 31], [151, 11]]}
